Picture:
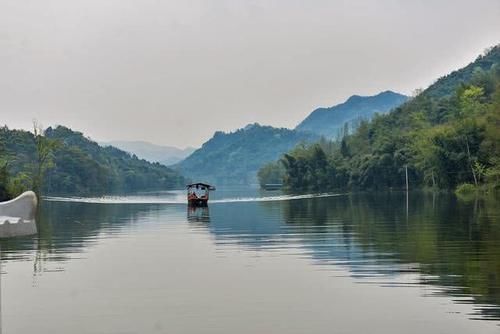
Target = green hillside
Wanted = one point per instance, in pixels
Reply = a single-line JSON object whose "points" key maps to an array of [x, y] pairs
{"points": [[446, 136], [446, 86], [79, 166], [234, 158]]}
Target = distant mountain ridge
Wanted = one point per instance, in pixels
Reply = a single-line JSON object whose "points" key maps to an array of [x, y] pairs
{"points": [[235, 157], [330, 122], [165, 155]]}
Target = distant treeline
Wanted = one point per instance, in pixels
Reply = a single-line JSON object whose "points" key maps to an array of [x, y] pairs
{"points": [[62, 161], [447, 135]]}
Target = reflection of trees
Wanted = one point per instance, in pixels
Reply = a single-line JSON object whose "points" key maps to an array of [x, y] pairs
{"points": [[455, 243], [247, 224], [67, 228]]}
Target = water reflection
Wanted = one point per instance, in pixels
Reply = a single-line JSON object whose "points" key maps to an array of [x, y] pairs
{"points": [[198, 215], [450, 246], [66, 230]]}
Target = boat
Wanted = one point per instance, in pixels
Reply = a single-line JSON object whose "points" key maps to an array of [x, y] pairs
{"points": [[198, 193], [17, 216], [272, 186]]}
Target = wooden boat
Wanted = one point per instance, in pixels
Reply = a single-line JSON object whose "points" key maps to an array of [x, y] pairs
{"points": [[17, 216], [198, 193]]}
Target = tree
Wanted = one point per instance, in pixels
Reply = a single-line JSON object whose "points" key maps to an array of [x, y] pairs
{"points": [[4, 179], [492, 173], [344, 148], [271, 173], [471, 100], [4, 173], [44, 157]]}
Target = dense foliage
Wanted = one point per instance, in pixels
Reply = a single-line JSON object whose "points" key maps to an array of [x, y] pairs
{"points": [[234, 158], [271, 174], [340, 119], [443, 139], [74, 165]]}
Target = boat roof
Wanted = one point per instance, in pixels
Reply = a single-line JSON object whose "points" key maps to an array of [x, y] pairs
{"points": [[200, 184]]}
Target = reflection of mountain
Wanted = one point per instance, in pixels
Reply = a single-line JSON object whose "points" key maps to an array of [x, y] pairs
{"points": [[453, 245], [267, 225], [66, 229]]}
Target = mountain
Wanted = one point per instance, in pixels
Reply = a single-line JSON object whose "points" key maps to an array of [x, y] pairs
{"points": [[446, 137], [235, 157], [80, 166], [447, 85], [330, 122], [165, 155]]}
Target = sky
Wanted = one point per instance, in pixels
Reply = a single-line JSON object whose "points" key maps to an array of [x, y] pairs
{"points": [[174, 72]]}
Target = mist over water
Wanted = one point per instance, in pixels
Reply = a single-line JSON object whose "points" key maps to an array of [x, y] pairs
{"points": [[256, 262]]}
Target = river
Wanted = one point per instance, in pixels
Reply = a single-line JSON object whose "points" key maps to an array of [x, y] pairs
{"points": [[256, 262]]}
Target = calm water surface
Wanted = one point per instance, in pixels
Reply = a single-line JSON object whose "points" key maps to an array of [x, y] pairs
{"points": [[256, 262]]}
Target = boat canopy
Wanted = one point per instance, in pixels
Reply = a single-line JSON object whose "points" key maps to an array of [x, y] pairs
{"points": [[200, 184]]}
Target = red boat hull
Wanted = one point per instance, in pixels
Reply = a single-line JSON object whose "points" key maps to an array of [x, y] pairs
{"points": [[193, 200]]}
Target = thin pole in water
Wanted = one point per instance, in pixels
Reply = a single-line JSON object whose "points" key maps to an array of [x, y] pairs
{"points": [[406, 172]]}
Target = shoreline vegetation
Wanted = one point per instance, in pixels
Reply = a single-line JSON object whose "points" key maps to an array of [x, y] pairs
{"points": [[445, 137], [60, 161]]}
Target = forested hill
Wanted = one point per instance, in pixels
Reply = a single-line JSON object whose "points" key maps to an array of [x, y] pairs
{"points": [[335, 121], [446, 86], [234, 158], [80, 166], [446, 136]]}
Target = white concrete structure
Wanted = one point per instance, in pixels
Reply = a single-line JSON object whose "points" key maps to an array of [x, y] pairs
{"points": [[17, 216]]}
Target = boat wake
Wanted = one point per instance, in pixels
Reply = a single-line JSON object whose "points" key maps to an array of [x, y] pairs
{"points": [[273, 198], [180, 200]]}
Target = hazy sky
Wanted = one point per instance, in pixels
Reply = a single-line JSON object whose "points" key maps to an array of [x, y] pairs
{"points": [[173, 72]]}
